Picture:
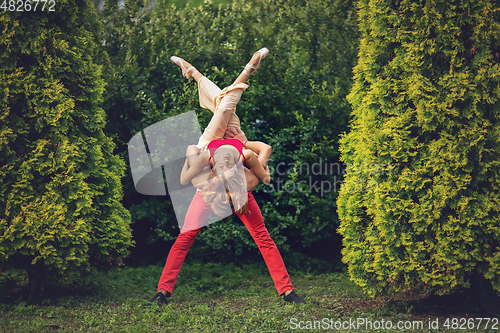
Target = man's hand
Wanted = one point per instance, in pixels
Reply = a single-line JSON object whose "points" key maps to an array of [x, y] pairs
{"points": [[235, 133]]}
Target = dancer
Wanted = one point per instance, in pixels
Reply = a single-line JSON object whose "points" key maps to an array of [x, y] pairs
{"points": [[224, 156], [238, 180], [224, 121]]}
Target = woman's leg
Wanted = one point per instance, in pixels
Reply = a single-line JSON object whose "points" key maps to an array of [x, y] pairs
{"points": [[210, 92], [255, 224], [224, 101], [253, 63], [243, 77], [197, 214], [191, 71], [207, 90], [221, 102]]}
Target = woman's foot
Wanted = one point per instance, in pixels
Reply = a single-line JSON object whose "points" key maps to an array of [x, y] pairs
{"points": [[254, 63], [187, 69]]}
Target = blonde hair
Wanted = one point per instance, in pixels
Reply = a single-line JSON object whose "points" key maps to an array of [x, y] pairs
{"points": [[223, 193]]}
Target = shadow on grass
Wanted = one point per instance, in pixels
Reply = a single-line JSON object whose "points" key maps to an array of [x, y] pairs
{"points": [[459, 304], [15, 288]]}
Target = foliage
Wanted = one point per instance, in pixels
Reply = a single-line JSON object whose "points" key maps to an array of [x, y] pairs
{"points": [[298, 92], [60, 191], [419, 208]]}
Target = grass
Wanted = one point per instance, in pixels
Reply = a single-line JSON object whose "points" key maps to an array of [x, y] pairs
{"points": [[221, 298]]}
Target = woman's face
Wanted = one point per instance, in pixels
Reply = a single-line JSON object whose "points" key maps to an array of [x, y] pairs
{"points": [[225, 160]]}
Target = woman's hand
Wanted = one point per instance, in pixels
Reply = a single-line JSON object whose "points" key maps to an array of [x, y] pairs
{"points": [[235, 133]]}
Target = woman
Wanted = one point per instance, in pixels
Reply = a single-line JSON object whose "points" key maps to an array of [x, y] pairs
{"points": [[224, 123], [224, 156]]}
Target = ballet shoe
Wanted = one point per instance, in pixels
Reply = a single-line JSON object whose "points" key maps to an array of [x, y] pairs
{"points": [[186, 72], [250, 69]]}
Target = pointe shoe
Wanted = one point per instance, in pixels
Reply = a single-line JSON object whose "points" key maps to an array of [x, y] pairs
{"points": [[185, 72], [250, 69]]}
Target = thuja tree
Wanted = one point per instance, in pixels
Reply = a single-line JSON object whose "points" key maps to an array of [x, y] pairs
{"points": [[295, 102], [419, 208], [60, 191]]}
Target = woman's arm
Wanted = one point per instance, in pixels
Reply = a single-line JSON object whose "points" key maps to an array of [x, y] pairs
{"points": [[192, 153], [189, 171], [262, 150], [254, 164]]}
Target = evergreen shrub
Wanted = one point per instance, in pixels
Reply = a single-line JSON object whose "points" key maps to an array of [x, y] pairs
{"points": [[419, 208], [60, 193]]}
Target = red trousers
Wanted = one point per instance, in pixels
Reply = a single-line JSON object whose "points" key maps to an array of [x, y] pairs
{"points": [[198, 211]]}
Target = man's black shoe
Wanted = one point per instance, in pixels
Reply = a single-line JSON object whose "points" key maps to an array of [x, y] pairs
{"points": [[160, 297], [294, 298]]}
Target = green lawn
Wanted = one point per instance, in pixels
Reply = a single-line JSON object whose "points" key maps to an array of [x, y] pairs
{"points": [[222, 298]]}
